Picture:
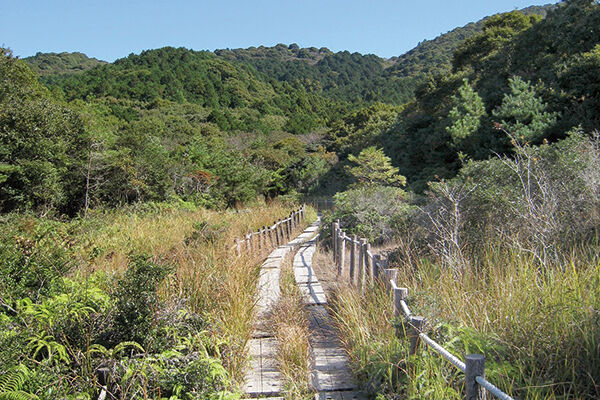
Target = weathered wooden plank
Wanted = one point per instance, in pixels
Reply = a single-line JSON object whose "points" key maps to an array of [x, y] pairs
{"points": [[345, 395], [263, 378], [329, 381], [313, 293], [331, 374]]}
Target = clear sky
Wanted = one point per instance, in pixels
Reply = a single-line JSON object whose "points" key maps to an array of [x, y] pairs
{"points": [[110, 29]]}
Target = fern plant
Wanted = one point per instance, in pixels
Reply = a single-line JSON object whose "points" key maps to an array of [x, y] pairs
{"points": [[12, 382]]}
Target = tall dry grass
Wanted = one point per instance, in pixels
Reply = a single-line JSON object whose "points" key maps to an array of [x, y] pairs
{"points": [[290, 324], [206, 272], [539, 329]]}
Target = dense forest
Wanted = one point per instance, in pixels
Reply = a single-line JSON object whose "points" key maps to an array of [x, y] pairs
{"points": [[216, 128], [474, 157]]}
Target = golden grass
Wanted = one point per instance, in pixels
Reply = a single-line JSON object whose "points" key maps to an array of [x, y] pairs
{"points": [[207, 272], [290, 325], [539, 327]]}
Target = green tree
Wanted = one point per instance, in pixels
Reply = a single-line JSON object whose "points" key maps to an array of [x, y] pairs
{"points": [[466, 113], [374, 168], [42, 144], [497, 31], [361, 128], [522, 112]]}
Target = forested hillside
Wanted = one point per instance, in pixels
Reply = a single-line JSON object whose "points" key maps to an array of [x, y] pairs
{"points": [[169, 122], [521, 74], [61, 63], [435, 56], [499, 225]]}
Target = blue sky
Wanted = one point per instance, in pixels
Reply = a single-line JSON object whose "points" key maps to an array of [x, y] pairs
{"points": [[108, 29]]}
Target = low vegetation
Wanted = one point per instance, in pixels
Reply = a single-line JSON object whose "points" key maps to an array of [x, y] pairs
{"points": [[472, 162], [503, 261], [290, 325], [151, 303]]}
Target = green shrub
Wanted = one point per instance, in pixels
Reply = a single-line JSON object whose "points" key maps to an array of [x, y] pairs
{"points": [[543, 200], [34, 256], [373, 212], [136, 301]]}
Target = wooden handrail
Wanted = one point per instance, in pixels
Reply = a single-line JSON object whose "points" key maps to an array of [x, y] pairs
{"points": [[376, 266], [282, 228]]}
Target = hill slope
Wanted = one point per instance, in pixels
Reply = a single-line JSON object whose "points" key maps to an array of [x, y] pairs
{"points": [[435, 56], [61, 63]]}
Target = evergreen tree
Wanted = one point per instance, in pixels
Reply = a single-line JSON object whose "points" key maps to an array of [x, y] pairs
{"points": [[375, 168], [522, 112], [465, 115]]}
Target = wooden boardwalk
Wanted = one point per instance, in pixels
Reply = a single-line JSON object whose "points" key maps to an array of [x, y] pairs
{"points": [[263, 378], [331, 376]]}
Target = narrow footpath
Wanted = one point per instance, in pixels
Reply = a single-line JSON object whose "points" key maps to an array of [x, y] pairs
{"points": [[331, 377], [263, 379]]}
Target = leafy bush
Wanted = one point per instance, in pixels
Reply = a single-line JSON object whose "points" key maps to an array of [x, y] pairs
{"points": [[543, 200], [34, 256], [136, 301]]}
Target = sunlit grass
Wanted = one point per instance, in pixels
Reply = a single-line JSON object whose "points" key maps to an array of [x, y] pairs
{"points": [[290, 325], [206, 271], [538, 328]]}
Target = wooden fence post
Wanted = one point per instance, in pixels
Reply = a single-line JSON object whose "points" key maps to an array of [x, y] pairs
{"points": [[390, 274], [338, 244], [375, 269], [362, 257], [238, 247], [475, 366], [248, 243], [369, 262], [271, 238], [342, 240], [282, 229], [400, 294], [353, 239], [416, 326], [276, 232]]}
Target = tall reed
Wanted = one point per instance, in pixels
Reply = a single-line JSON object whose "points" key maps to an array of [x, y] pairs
{"points": [[207, 272], [538, 328]]}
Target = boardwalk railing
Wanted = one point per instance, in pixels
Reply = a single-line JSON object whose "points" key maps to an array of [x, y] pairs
{"points": [[365, 268], [270, 236]]}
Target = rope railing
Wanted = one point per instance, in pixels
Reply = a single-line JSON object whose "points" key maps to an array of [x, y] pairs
{"points": [[365, 266], [270, 236]]}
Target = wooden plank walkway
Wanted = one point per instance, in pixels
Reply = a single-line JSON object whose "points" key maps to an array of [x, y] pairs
{"points": [[263, 378], [331, 375]]}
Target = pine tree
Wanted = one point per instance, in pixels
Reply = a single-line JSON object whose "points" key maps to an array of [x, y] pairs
{"points": [[465, 115], [375, 168], [522, 112]]}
